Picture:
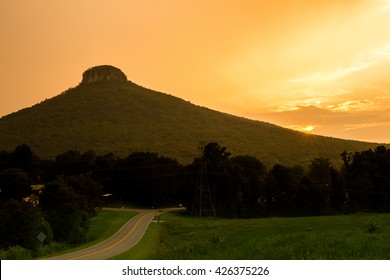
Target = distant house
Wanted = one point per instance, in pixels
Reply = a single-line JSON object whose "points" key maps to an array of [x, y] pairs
{"points": [[107, 198], [36, 190]]}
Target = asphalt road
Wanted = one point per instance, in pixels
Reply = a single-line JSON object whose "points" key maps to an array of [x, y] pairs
{"points": [[121, 241]]}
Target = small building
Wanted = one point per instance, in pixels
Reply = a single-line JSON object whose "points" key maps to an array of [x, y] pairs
{"points": [[36, 190]]}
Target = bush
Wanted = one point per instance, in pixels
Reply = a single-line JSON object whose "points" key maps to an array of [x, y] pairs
{"points": [[54, 248], [17, 253], [3, 254]]}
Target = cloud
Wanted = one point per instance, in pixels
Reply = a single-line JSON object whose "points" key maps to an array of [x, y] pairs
{"points": [[384, 5], [364, 125], [329, 76], [357, 125], [360, 62], [355, 105]]}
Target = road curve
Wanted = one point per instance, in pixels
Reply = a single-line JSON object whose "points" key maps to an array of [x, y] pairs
{"points": [[121, 241]]}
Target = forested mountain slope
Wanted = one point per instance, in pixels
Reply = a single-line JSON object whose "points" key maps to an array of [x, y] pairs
{"points": [[110, 114]]}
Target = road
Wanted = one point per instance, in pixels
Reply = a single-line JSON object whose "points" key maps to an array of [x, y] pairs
{"points": [[121, 241]]}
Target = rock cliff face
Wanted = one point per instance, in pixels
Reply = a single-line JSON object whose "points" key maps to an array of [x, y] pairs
{"points": [[103, 73]]}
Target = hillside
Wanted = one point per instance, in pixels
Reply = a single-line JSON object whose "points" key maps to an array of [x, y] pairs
{"points": [[115, 115]]}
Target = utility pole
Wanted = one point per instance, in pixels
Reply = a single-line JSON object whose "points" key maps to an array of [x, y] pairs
{"points": [[204, 204]]}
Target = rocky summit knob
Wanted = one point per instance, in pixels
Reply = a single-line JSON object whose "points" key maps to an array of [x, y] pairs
{"points": [[103, 73]]}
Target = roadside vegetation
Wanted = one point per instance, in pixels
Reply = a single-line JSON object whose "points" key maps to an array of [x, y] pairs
{"points": [[101, 227], [343, 237], [146, 247]]}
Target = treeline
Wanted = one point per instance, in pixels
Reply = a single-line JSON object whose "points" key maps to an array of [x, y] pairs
{"points": [[243, 187], [77, 185], [37, 198]]}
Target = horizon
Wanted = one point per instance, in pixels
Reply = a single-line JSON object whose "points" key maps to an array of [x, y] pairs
{"points": [[320, 68]]}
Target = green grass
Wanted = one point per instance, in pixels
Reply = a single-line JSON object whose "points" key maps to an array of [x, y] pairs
{"points": [[363, 236], [102, 226], [106, 223], [360, 236], [145, 248]]}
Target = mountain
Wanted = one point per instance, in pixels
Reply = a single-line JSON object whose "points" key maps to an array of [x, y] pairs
{"points": [[108, 113]]}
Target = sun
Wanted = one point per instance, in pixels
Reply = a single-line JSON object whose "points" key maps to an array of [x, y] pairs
{"points": [[302, 128], [309, 128]]}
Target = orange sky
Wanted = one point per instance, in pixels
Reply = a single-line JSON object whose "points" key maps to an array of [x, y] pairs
{"points": [[322, 65]]}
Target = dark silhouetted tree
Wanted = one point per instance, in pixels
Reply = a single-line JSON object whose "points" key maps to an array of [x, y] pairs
{"points": [[222, 179], [320, 176], [65, 211], [146, 179], [250, 179], [20, 224], [24, 158], [367, 179], [14, 184], [282, 188]]}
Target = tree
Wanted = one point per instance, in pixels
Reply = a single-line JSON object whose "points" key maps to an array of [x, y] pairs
{"points": [[222, 179], [65, 211], [20, 224], [89, 190], [73, 162], [68, 163], [24, 158], [282, 186], [250, 174], [5, 160], [338, 194], [14, 184], [320, 176], [367, 179], [146, 179]]}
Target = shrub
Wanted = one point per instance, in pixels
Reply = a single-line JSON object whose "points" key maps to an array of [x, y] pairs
{"points": [[18, 253]]}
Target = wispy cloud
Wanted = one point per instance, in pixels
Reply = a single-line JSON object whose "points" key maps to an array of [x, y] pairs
{"points": [[359, 62], [293, 106], [384, 5], [355, 105], [364, 125], [330, 75]]}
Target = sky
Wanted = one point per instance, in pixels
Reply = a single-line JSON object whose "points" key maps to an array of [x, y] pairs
{"points": [[322, 67]]}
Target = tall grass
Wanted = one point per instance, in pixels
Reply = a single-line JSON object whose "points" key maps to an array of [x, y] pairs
{"points": [[16, 253], [330, 237]]}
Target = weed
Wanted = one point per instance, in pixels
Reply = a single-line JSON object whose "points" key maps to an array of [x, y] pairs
{"points": [[372, 226]]}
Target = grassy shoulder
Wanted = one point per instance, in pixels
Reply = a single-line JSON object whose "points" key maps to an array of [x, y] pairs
{"points": [[361, 236], [146, 247], [105, 224], [102, 226]]}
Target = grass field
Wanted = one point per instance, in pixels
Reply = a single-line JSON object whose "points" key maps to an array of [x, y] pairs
{"points": [[360, 236]]}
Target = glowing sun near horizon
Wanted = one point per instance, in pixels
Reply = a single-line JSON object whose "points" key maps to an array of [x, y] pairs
{"points": [[309, 128], [302, 128]]}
